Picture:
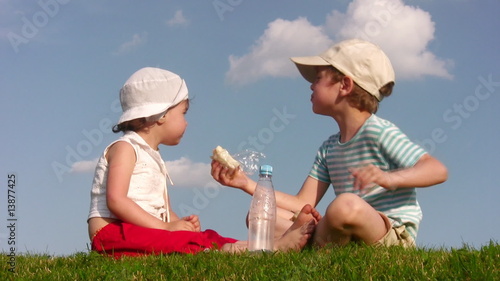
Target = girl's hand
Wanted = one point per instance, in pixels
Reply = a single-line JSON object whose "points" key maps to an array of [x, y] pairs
{"points": [[236, 178], [195, 221], [369, 176], [189, 223]]}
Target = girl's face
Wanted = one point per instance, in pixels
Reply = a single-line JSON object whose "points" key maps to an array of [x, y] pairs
{"points": [[175, 123], [324, 93]]}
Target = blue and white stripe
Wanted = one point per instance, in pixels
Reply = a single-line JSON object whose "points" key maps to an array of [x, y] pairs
{"points": [[381, 143]]}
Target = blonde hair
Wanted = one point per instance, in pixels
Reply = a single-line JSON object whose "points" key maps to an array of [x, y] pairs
{"points": [[359, 98]]}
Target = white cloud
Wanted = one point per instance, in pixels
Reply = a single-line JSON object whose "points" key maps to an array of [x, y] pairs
{"points": [[183, 171], [269, 56], [178, 19], [187, 173], [136, 41], [86, 166], [403, 31]]}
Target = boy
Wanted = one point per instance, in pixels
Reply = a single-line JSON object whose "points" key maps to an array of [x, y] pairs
{"points": [[374, 168]]}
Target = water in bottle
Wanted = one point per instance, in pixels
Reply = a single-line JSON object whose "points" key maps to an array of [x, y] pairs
{"points": [[262, 214]]}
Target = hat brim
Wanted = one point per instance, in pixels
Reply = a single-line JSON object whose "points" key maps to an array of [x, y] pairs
{"points": [[307, 66], [143, 111]]}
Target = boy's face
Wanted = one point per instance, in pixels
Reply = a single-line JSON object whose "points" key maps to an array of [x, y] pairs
{"points": [[325, 92]]}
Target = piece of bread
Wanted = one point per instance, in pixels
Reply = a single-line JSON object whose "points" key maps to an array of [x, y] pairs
{"points": [[222, 156]]}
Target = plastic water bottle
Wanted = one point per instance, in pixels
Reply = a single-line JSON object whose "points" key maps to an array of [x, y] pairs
{"points": [[262, 215]]}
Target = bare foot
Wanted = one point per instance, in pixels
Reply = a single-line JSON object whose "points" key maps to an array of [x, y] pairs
{"points": [[295, 238], [305, 215]]}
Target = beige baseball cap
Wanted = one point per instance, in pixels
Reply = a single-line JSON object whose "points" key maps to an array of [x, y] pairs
{"points": [[150, 91], [363, 61]]}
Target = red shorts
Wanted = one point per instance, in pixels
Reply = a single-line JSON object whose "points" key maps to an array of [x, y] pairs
{"points": [[125, 239]]}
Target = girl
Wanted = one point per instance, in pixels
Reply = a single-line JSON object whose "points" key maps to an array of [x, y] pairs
{"points": [[130, 212]]}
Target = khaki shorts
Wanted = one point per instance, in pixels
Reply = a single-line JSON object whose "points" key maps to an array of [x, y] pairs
{"points": [[395, 236]]}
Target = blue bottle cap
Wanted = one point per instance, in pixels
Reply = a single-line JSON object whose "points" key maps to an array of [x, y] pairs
{"points": [[266, 170]]}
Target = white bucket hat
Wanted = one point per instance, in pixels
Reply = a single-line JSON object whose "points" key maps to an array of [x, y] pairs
{"points": [[363, 61], [150, 91]]}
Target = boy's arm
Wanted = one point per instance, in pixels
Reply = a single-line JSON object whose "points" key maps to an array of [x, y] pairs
{"points": [[426, 172], [311, 191]]}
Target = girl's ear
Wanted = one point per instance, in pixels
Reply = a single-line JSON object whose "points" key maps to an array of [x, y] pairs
{"points": [[162, 120]]}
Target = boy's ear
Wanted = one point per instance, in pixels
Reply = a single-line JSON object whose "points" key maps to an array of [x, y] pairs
{"points": [[346, 85]]}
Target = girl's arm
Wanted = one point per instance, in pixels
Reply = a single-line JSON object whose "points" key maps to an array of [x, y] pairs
{"points": [[121, 160]]}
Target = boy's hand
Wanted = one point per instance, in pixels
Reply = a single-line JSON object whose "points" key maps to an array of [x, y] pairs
{"points": [[224, 176], [369, 176]]}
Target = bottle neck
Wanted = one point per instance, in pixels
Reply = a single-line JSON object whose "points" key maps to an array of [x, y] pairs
{"points": [[264, 176]]}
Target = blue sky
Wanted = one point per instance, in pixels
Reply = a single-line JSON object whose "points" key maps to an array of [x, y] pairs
{"points": [[63, 62]]}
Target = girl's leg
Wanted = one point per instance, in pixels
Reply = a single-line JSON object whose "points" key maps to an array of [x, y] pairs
{"points": [[125, 239], [349, 218]]}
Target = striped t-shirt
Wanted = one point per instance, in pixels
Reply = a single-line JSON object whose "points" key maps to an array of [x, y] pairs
{"points": [[381, 143]]}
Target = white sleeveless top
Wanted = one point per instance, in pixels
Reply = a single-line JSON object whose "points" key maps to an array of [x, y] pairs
{"points": [[147, 184]]}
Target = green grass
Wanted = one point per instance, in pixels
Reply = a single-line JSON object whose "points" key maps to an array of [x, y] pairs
{"points": [[353, 262]]}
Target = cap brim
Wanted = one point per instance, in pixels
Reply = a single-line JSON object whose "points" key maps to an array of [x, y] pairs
{"points": [[143, 111], [307, 66]]}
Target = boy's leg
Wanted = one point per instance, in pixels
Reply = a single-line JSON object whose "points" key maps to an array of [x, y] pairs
{"points": [[297, 235], [283, 221], [349, 218], [294, 239]]}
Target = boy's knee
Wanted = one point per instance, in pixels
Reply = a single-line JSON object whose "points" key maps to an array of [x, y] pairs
{"points": [[345, 208]]}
